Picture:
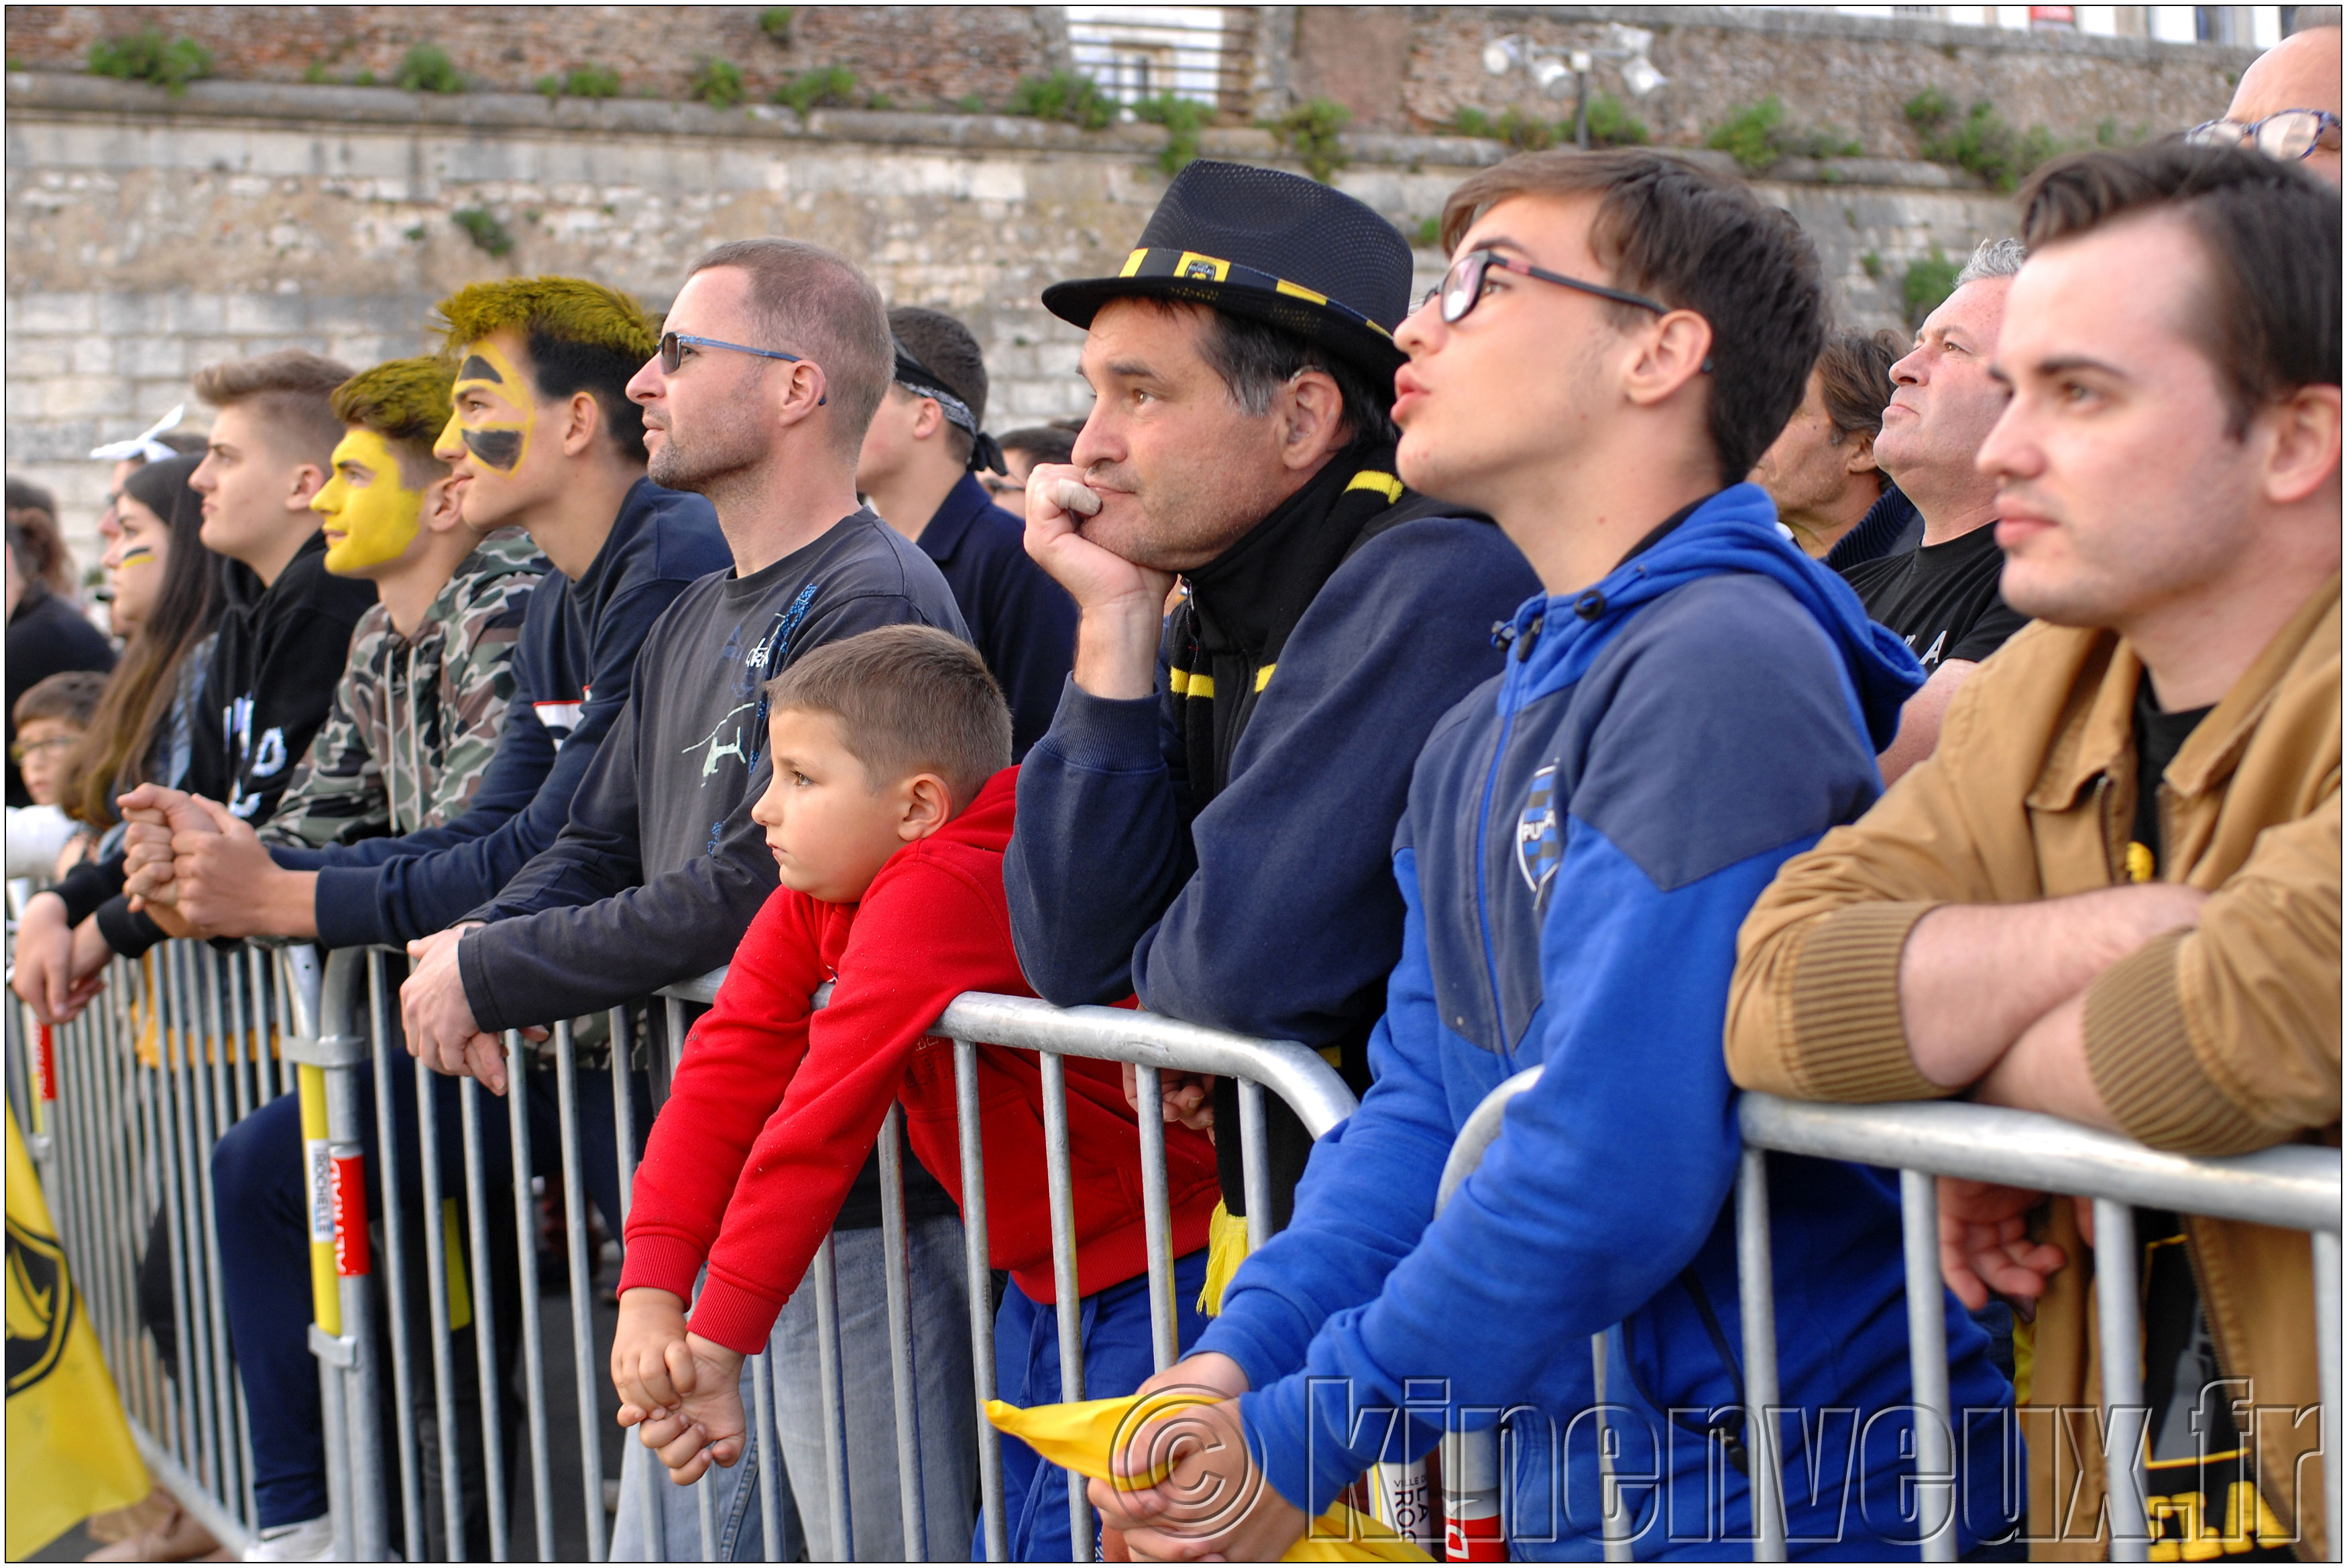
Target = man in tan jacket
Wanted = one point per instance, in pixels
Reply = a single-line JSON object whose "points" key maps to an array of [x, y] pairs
{"points": [[2113, 894]]}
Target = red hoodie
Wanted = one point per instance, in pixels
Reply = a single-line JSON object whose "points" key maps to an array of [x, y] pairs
{"points": [[774, 1107]]}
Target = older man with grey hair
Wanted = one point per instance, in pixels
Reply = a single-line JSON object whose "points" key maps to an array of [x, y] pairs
{"points": [[1942, 595]]}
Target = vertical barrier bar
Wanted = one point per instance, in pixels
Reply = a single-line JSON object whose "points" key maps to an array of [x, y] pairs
{"points": [[1612, 1521], [1756, 1288], [834, 1436], [1156, 1217], [533, 1332], [438, 1233], [354, 1269], [895, 1271], [212, 1121], [2116, 1319], [484, 1316], [325, 1298], [1927, 1360], [975, 1261], [1068, 1305], [187, 1245], [1254, 1164], [704, 1497], [623, 1121], [2326, 1347], [771, 1478], [582, 1303], [412, 1546]]}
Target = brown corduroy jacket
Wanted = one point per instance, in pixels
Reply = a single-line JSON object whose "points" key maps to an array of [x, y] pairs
{"points": [[2213, 1041]]}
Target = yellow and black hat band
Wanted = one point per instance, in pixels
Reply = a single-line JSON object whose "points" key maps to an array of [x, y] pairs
{"points": [[1165, 262]]}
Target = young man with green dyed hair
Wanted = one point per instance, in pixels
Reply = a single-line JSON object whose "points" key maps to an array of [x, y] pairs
{"points": [[537, 434], [424, 699]]}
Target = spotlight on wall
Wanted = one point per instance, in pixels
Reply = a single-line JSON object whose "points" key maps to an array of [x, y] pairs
{"points": [[1556, 71]]}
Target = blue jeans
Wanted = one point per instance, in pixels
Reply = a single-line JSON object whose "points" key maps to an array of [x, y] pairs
{"points": [[1117, 1360], [944, 1408]]}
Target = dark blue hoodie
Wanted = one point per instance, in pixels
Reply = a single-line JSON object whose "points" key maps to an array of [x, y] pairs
{"points": [[573, 665], [1583, 837]]}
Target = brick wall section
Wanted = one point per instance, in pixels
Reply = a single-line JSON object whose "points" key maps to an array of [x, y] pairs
{"points": [[922, 56]]}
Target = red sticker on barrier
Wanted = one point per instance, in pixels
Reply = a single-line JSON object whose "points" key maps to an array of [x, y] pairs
{"points": [[350, 1217], [46, 1054], [1475, 1541]]}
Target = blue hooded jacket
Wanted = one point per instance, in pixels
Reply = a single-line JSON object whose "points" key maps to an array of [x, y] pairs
{"points": [[1583, 837]]}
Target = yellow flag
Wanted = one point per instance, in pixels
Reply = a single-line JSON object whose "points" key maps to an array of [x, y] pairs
{"points": [[1081, 1436], [69, 1449]]}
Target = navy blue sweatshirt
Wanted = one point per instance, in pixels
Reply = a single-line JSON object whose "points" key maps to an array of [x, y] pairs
{"points": [[1273, 911], [1023, 623], [1584, 836], [660, 870], [574, 666]]}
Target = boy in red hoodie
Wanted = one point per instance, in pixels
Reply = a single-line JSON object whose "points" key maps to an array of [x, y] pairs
{"points": [[888, 812]]}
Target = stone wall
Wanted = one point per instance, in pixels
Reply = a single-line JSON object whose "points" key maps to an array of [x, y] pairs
{"points": [[148, 236]]}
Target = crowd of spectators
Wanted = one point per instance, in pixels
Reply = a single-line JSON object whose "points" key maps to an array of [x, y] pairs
{"points": [[1604, 663]]}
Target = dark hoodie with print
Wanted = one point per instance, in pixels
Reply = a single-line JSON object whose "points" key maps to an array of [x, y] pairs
{"points": [[281, 650]]}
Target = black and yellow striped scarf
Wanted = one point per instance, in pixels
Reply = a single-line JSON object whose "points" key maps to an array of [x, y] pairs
{"points": [[1226, 639]]}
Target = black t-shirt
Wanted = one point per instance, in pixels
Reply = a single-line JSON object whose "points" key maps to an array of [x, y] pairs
{"points": [[1942, 598], [2198, 1480]]}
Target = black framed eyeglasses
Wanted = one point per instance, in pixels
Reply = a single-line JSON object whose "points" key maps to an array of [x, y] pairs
{"points": [[1462, 287], [674, 344], [2288, 136]]}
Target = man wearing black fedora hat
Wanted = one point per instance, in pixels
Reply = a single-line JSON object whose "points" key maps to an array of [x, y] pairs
{"points": [[1209, 821]]}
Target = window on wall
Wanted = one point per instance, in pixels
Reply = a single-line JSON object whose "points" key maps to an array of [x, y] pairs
{"points": [[1137, 52]]}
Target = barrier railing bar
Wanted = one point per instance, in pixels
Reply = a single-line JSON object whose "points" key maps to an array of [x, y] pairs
{"points": [[2124, 1420], [533, 1332], [2326, 1345], [1156, 1216], [623, 1118], [1757, 1293], [394, 1273], [770, 1477], [826, 1270], [582, 1305], [2295, 1185], [895, 1271], [195, 1374], [437, 1302], [1068, 1306], [211, 1121], [1927, 1363], [485, 1316], [976, 1262], [704, 1498]]}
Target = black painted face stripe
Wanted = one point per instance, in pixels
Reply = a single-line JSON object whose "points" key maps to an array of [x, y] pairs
{"points": [[477, 369], [497, 448]]}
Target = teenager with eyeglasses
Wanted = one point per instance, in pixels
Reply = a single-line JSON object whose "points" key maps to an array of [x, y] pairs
{"points": [[782, 353], [2287, 105]]}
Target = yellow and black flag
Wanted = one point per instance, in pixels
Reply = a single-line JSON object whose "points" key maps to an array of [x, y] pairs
{"points": [[69, 1449]]}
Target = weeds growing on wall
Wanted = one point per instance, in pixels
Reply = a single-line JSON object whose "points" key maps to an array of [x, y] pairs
{"points": [[428, 69], [1068, 95], [1311, 130], [145, 57], [1610, 125], [1182, 119], [1982, 141], [717, 83], [1927, 282], [581, 82], [482, 228], [775, 22], [827, 87], [1756, 137]]}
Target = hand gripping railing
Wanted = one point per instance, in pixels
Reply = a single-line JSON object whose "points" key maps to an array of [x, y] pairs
{"points": [[2296, 1186]]}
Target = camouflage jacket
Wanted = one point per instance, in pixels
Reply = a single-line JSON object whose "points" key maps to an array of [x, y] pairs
{"points": [[414, 723]]}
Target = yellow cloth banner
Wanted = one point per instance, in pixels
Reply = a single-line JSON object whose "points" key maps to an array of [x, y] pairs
{"points": [[1081, 1436], [69, 1449]]}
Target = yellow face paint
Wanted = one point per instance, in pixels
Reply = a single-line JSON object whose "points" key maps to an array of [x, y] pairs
{"points": [[496, 410], [371, 513]]}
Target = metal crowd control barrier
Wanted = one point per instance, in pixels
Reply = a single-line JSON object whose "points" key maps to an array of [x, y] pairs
{"points": [[122, 1108], [2294, 1187]]}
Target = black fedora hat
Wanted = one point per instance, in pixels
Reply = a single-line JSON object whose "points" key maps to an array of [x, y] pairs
{"points": [[1269, 246]]}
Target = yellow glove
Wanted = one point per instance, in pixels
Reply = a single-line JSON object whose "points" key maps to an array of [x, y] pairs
{"points": [[1080, 1437]]}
